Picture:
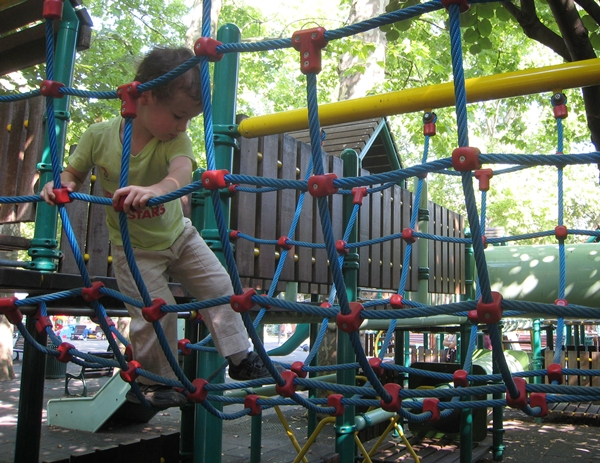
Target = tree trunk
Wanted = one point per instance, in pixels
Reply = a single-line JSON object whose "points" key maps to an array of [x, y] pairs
{"points": [[195, 29], [359, 83]]}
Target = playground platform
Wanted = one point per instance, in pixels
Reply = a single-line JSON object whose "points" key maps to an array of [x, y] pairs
{"points": [[558, 438]]}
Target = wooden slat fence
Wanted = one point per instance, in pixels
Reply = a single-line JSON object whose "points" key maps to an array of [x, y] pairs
{"points": [[584, 359]]}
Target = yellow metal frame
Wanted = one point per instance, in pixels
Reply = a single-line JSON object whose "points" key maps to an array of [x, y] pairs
{"points": [[525, 82]]}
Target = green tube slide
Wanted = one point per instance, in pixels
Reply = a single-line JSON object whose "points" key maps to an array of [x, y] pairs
{"points": [[299, 336]]}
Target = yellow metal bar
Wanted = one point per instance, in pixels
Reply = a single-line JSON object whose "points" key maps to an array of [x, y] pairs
{"points": [[362, 449], [313, 437], [525, 82], [289, 432]]}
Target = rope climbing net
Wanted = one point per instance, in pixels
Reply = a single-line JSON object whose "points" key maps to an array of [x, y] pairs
{"points": [[466, 162]]}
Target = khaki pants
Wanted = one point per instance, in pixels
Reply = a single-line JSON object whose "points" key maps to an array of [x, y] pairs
{"points": [[188, 261]]}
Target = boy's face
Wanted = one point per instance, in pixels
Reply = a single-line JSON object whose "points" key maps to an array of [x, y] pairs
{"points": [[165, 119]]}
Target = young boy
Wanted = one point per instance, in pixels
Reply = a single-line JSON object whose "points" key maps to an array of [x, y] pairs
{"points": [[165, 243]]}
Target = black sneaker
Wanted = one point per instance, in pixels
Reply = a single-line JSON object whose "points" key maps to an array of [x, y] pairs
{"points": [[252, 367], [159, 396]]}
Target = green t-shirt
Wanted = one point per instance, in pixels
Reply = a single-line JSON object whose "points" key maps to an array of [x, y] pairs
{"points": [[153, 228]]}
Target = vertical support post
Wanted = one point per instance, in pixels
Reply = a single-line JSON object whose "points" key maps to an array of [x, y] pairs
{"points": [[466, 414], [186, 449], [31, 398], [399, 353], [209, 429], [537, 360], [422, 294], [312, 393], [569, 336], [498, 419], [469, 270], [550, 337], [344, 443], [44, 250]]}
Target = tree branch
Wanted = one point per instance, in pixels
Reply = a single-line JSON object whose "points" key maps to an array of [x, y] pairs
{"points": [[533, 28], [591, 8]]}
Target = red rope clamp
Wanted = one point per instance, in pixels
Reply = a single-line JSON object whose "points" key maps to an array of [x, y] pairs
{"points": [[93, 292], [201, 393], [297, 368], [61, 196], [43, 323], [131, 373], [153, 313], [432, 405], [243, 302], [182, 345], [309, 43], [395, 404], [463, 4], [490, 312], [289, 388], [538, 399], [396, 301], [214, 179], [358, 193], [234, 235], [206, 46], [559, 106], [340, 247], [282, 242], [459, 378], [128, 93], [251, 402], [375, 363], [407, 235], [51, 87], [53, 9], [10, 310], [521, 401], [466, 158], [335, 401], [64, 355], [322, 185], [561, 302], [484, 176], [555, 373], [351, 322], [561, 232], [429, 129]]}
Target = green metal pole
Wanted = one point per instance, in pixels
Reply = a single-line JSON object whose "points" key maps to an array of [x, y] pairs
{"points": [[466, 414], [537, 360], [469, 270], [498, 419], [344, 443], [312, 393], [44, 250], [186, 447], [209, 429]]}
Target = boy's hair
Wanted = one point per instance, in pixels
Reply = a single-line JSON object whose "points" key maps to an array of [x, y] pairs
{"points": [[160, 61]]}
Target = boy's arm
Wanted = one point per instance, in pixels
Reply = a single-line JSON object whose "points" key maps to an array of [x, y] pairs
{"points": [[71, 179], [136, 197]]}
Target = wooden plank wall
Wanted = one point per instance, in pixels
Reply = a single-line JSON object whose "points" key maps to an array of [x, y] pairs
{"points": [[582, 359], [268, 216], [20, 151]]}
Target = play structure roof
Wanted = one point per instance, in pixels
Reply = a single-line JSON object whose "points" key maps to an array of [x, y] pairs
{"points": [[370, 138], [23, 33]]}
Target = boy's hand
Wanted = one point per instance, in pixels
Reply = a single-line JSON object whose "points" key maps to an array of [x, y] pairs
{"points": [[48, 195], [136, 197]]}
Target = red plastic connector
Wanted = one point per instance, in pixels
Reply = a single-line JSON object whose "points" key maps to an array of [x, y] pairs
{"points": [[214, 179], [201, 393], [473, 317], [375, 363], [340, 247], [561, 302], [484, 176], [397, 301], [289, 388], [538, 399], [463, 4], [51, 88], [251, 402], [459, 378], [234, 235], [131, 373], [351, 322], [429, 129], [561, 232], [466, 158], [64, 355], [128, 354], [9, 309], [407, 235], [325, 305], [43, 323], [120, 205], [232, 189], [61, 196], [490, 312], [322, 185], [283, 244], [521, 401], [297, 368], [335, 401], [128, 93], [358, 194], [555, 373], [93, 293], [53, 9], [560, 111], [182, 345], [206, 46], [309, 43], [153, 313], [484, 241], [395, 404], [243, 302], [432, 405]]}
